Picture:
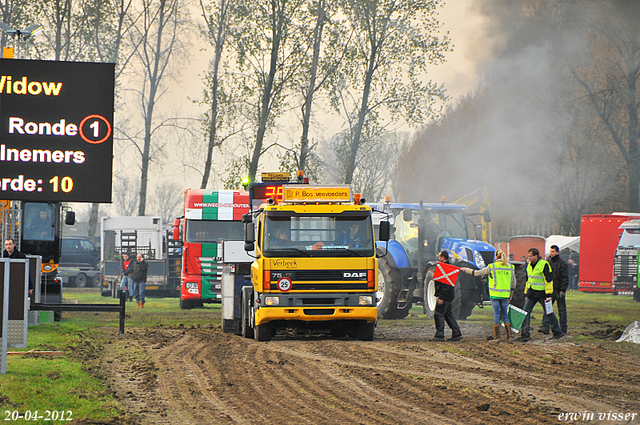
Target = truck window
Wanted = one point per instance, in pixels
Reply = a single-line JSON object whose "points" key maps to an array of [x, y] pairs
{"points": [[287, 235], [202, 231], [39, 222]]}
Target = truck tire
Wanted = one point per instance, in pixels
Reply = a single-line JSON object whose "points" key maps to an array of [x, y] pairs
{"points": [[428, 296], [366, 331], [186, 304], [264, 332], [246, 327], [389, 285], [95, 281], [81, 280]]}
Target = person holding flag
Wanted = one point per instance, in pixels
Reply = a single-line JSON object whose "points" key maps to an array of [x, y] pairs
{"points": [[445, 277], [502, 279]]}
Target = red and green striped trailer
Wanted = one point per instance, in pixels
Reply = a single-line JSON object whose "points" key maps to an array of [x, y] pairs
{"points": [[210, 218]]}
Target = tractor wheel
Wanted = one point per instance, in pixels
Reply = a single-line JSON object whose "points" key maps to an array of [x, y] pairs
{"points": [[389, 285], [461, 306], [429, 295], [517, 295]]}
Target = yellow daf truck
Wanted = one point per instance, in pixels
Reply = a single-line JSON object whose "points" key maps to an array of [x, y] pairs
{"points": [[315, 269]]}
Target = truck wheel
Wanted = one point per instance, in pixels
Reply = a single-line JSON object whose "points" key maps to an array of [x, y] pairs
{"points": [[429, 295], [95, 281], [389, 285], [81, 280], [365, 331], [636, 295], [186, 304], [264, 332], [246, 329]]}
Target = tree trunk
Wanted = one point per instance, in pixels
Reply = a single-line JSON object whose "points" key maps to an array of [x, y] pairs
{"points": [[306, 110]]}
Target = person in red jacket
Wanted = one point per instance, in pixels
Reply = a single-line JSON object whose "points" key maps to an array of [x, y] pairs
{"points": [[444, 312]]}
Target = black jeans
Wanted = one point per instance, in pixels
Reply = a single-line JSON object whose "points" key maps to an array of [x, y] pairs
{"points": [[562, 314], [444, 313]]}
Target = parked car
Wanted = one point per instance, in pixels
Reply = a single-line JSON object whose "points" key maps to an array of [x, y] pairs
{"points": [[79, 251]]}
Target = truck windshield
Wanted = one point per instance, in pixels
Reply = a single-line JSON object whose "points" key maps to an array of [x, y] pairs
{"points": [[39, 219], [630, 237], [317, 236], [201, 231]]}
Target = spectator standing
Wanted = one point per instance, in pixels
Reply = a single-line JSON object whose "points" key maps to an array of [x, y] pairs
{"points": [[502, 279], [125, 269], [139, 276], [539, 289], [560, 272], [573, 275], [444, 312], [10, 251]]}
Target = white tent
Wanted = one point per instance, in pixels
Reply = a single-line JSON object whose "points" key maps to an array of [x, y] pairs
{"points": [[563, 242]]}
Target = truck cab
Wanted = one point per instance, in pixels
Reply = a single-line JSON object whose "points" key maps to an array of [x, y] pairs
{"points": [[625, 264], [315, 268]]}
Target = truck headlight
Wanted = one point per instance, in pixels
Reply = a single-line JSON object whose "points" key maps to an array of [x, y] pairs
{"points": [[479, 261], [365, 300], [272, 301]]}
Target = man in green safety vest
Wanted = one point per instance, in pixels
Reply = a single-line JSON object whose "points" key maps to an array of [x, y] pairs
{"points": [[539, 289]]}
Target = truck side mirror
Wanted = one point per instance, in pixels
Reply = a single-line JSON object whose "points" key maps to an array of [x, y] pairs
{"points": [[247, 218], [384, 231], [487, 216], [70, 218], [249, 234], [175, 234], [406, 214]]}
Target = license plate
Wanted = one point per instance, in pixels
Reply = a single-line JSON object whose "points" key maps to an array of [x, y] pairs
{"points": [[152, 287]]}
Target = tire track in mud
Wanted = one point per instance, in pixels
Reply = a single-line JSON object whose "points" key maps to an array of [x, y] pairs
{"points": [[204, 376]]}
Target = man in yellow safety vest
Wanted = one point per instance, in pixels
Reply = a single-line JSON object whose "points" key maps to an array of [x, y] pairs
{"points": [[539, 289]]}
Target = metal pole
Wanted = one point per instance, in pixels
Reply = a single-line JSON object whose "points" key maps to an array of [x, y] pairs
{"points": [[123, 303]]}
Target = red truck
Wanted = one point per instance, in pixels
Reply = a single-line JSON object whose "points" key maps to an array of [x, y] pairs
{"points": [[599, 236]]}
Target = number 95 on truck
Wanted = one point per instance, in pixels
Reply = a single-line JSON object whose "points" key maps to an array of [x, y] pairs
{"points": [[315, 270]]}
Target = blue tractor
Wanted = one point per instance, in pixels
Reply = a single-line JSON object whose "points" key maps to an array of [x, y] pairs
{"points": [[406, 273]]}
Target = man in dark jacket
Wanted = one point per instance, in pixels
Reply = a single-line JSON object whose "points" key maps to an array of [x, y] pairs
{"points": [[10, 251], [139, 276], [444, 312], [560, 272]]}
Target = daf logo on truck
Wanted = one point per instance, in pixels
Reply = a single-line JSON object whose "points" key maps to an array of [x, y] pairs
{"points": [[357, 275]]}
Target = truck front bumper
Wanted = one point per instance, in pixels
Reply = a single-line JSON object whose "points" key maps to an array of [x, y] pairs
{"points": [[316, 314]]}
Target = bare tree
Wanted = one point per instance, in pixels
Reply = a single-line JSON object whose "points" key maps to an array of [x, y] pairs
{"points": [[157, 37], [126, 195], [394, 42], [268, 51], [611, 83], [167, 201]]}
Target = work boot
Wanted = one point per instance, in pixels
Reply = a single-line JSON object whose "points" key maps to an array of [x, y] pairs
{"points": [[543, 330], [138, 304], [496, 333], [507, 329], [141, 305]]}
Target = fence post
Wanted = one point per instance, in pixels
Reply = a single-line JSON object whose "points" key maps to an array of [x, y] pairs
{"points": [[123, 303]]}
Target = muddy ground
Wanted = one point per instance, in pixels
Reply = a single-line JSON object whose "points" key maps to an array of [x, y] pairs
{"points": [[199, 375]]}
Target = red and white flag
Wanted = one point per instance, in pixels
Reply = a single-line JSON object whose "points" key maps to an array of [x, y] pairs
{"points": [[446, 273]]}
